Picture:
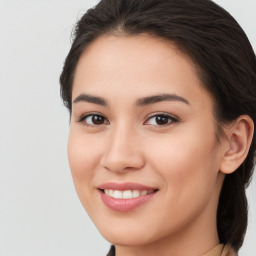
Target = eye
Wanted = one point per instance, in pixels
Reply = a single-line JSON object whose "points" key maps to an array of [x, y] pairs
{"points": [[161, 120], [93, 120]]}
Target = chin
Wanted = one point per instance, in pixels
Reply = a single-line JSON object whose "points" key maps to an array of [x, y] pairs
{"points": [[131, 235], [126, 239]]}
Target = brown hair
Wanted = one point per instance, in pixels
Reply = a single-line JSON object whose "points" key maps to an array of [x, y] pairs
{"points": [[226, 66]]}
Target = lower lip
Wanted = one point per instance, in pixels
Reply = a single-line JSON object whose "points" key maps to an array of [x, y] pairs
{"points": [[124, 205]]}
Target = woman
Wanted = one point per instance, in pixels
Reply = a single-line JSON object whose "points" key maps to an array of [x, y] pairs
{"points": [[162, 101]]}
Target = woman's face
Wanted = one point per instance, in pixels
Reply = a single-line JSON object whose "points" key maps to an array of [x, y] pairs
{"points": [[142, 123]]}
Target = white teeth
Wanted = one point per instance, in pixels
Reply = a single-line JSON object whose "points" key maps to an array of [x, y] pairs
{"points": [[144, 192], [135, 193], [111, 192], [118, 194], [127, 194]]}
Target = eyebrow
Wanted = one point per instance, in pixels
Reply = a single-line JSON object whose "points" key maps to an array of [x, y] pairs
{"points": [[159, 98], [140, 102], [91, 99]]}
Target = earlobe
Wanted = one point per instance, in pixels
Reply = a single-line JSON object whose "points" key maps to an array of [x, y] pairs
{"points": [[239, 137]]}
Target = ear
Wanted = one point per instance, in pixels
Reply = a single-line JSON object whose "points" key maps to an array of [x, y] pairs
{"points": [[238, 140]]}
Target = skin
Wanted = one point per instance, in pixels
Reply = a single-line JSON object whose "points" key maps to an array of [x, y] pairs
{"points": [[182, 158]]}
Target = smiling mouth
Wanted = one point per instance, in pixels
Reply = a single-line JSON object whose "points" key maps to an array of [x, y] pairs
{"points": [[125, 197], [127, 194]]}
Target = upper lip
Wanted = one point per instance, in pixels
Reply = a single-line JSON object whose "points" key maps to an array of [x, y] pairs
{"points": [[125, 186]]}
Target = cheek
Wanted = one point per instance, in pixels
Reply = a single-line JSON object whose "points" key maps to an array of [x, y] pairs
{"points": [[82, 153], [186, 163], [190, 174], [83, 159]]}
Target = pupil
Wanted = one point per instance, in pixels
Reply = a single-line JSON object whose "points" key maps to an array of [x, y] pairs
{"points": [[98, 120], [161, 120]]}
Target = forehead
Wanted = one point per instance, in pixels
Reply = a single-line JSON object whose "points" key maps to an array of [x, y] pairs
{"points": [[135, 66]]}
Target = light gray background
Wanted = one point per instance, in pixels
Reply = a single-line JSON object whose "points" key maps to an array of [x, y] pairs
{"points": [[40, 214]]}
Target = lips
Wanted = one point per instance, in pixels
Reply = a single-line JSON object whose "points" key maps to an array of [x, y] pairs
{"points": [[125, 196]]}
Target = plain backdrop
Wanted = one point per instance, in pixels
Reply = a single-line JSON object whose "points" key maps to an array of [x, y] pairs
{"points": [[40, 214]]}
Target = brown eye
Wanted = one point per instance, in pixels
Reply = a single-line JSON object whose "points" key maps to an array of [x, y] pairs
{"points": [[94, 119], [161, 120], [98, 120]]}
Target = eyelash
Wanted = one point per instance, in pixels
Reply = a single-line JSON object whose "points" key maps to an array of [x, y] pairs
{"points": [[84, 117], [170, 118]]}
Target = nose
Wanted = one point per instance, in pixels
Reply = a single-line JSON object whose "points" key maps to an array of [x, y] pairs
{"points": [[122, 151]]}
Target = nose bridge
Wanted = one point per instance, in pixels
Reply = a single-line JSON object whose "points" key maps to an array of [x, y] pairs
{"points": [[122, 152]]}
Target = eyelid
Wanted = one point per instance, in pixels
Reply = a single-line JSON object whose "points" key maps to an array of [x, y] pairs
{"points": [[173, 118], [84, 116]]}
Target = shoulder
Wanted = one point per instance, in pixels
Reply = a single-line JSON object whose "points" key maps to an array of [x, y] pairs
{"points": [[228, 251], [222, 250]]}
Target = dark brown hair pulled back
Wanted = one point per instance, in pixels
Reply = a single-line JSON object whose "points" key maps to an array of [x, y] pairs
{"points": [[226, 66]]}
